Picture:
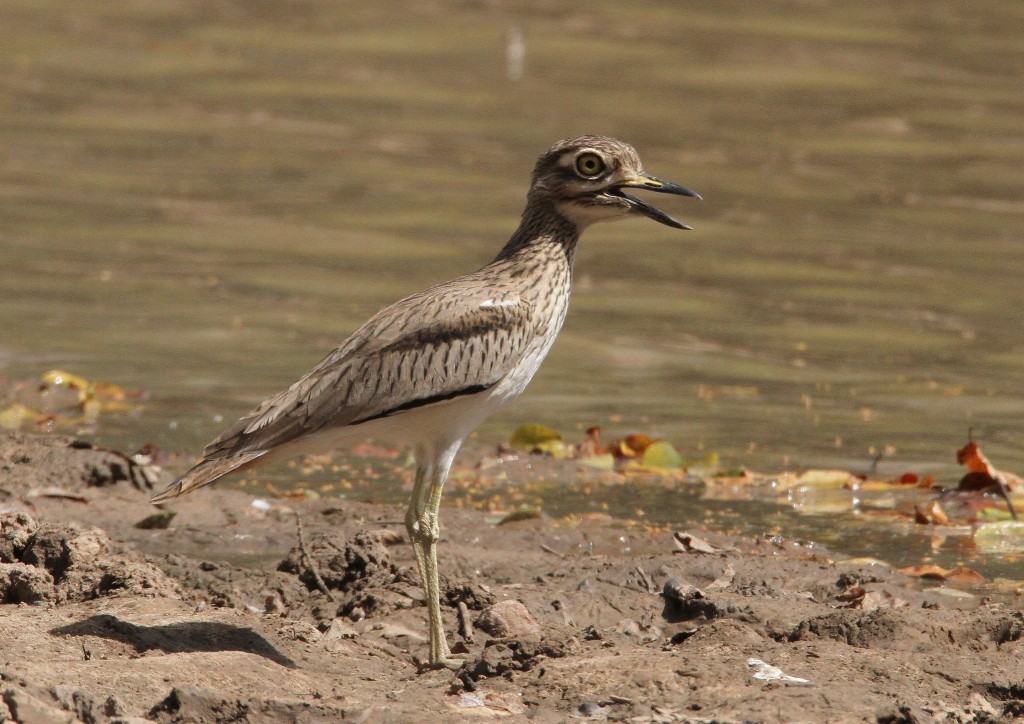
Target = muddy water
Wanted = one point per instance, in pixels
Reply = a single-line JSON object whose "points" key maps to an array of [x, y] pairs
{"points": [[201, 200]]}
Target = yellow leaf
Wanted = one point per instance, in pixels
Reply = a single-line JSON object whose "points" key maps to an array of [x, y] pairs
{"points": [[538, 438], [661, 454]]}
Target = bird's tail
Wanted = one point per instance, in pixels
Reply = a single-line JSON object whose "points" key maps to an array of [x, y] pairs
{"points": [[204, 473]]}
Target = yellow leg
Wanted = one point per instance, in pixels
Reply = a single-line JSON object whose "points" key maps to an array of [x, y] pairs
{"points": [[421, 520]]}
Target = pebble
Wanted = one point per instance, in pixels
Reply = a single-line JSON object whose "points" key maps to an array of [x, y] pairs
{"points": [[507, 619]]}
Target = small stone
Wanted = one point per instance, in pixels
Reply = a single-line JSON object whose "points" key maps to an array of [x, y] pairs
{"points": [[629, 627], [508, 619], [590, 709]]}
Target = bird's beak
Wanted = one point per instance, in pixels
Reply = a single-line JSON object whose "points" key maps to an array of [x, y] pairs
{"points": [[662, 187]]}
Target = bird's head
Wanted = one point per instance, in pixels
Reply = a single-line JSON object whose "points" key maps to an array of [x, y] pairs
{"points": [[586, 179]]}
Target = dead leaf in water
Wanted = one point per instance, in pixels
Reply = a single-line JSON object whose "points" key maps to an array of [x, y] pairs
{"points": [[982, 473], [961, 575], [930, 513], [537, 438], [1000, 537], [631, 446], [58, 397], [661, 454]]}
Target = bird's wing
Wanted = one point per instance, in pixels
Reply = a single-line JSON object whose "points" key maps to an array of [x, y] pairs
{"points": [[430, 347]]}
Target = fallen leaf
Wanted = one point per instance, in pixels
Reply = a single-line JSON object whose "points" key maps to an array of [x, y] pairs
{"points": [[631, 446], [930, 513], [661, 454], [537, 438], [689, 543], [981, 473], [1000, 537], [938, 573], [971, 457], [604, 461]]}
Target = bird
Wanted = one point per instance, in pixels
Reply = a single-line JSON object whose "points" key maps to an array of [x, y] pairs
{"points": [[427, 370]]}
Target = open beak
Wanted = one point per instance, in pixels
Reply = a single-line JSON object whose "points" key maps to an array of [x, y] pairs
{"points": [[662, 187]]}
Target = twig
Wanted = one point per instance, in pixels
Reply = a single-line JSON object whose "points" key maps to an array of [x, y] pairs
{"points": [[1005, 492], [465, 625], [310, 562], [873, 470], [548, 549], [646, 580]]}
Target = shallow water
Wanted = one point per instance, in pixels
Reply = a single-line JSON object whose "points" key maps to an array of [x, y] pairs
{"points": [[201, 200]]}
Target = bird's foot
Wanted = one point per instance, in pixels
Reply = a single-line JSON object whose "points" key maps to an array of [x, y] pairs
{"points": [[446, 661], [449, 662]]}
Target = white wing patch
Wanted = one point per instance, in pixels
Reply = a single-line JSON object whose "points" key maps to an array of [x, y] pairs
{"points": [[498, 303]]}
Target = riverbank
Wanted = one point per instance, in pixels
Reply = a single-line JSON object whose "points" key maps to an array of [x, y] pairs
{"points": [[219, 615]]}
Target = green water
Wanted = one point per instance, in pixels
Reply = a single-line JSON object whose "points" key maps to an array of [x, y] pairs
{"points": [[202, 199]]}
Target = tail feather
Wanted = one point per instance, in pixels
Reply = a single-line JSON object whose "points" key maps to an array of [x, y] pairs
{"points": [[204, 473]]}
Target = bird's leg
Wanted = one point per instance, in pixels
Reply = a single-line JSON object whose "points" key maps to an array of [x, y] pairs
{"points": [[415, 512], [424, 531]]}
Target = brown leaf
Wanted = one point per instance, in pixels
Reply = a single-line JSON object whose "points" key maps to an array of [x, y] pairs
{"points": [[971, 457], [925, 570], [960, 574], [930, 513], [965, 576], [631, 446], [981, 473]]}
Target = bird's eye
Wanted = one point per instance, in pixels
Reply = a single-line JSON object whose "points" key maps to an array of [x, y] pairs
{"points": [[589, 165]]}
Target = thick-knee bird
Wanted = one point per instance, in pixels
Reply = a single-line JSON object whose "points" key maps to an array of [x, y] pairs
{"points": [[428, 369]]}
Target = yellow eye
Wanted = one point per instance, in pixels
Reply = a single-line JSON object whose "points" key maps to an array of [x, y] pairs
{"points": [[589, 165]]}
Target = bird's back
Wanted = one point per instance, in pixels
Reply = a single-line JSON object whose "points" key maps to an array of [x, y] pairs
{"points": [[485, 333]]}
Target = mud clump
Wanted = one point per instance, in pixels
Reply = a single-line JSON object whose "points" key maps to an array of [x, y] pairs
{"points": [[35, 461], [359, 568], [505, 658], [61, 563], [878, 628]]}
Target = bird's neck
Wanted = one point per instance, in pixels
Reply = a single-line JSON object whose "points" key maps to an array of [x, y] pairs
{"points": [[543, 234]]}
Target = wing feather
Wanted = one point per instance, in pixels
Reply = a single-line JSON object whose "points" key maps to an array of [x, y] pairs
{"points": [[423, 349]]}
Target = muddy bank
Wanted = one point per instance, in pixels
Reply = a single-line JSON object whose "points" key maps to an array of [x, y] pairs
{"points": [[222, 616]]}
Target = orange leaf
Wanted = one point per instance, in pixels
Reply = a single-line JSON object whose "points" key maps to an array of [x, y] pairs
{"points": [[930, 513], [926, 570], [958, 575], [971, 457], [631, 446]]}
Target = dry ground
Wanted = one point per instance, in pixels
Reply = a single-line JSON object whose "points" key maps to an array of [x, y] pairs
{"points": [[219, 617]]}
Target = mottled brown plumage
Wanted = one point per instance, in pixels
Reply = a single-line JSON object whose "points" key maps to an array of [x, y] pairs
{"points": [[429, 368]]}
